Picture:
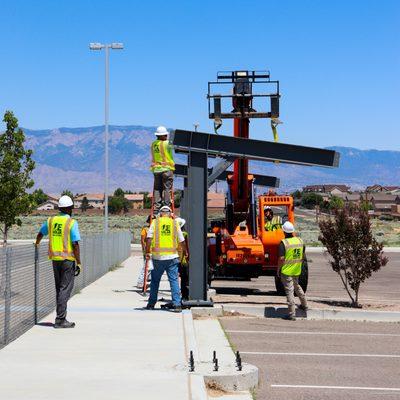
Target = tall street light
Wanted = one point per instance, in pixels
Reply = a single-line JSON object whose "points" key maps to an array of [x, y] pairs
{"points": [[106, 47]]}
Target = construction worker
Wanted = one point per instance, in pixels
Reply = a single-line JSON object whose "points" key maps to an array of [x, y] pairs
{"points": [[163, 239], [183, 262], [64, 253], [163, 167], [143, 237], [272, 223], [291, 256]]}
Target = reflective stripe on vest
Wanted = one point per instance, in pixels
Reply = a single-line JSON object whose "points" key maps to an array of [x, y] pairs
{"points": [[165, 236], [274, 224], [294, 249], [161, 156], [60, 245]]}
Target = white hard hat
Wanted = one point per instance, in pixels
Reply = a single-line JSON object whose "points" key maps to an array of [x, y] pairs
{"points": [[288, 227], [267, 208], [65, 201], [180, 221], [161, 131], [165, 209]]}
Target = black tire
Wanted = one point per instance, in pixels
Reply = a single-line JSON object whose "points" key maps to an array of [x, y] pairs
{"points": [[303, 280]]}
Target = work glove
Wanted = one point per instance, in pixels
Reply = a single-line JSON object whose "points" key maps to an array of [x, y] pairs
{"points": [[78, 269]]}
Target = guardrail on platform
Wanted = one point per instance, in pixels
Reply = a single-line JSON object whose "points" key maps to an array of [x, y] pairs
{"points": [[27, 291]]}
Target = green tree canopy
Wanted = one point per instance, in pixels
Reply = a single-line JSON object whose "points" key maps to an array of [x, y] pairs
{"points": [[310, 200], [38, 197], [85, 204], [16, 166], [119, 192], [67, 192]]}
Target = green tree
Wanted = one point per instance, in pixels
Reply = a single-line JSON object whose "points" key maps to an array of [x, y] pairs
{"points": [[85, 204], [146, 200], [310, 200], [177, 198], [16, 166], [354, 252], [297, 194], [67, 192], [38, 197], [117, 204], [336, 203], [119, 192]]}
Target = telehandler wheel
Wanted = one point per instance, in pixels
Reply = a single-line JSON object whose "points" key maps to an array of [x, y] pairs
{"points": [[303, 280]]}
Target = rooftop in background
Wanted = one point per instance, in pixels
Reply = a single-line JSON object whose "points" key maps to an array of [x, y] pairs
{"points": [[134, 197], [91, 196], [326, 188]]}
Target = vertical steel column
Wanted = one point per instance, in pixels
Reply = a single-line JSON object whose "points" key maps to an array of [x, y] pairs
{"points": [[197, 215], [7, 297]]}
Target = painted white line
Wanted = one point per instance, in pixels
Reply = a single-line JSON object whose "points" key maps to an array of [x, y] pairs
{"points": [[337, 387], [316, 333], [273, 353]]}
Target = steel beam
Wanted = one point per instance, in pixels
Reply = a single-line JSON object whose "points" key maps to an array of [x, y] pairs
{"points": [[252, 149], [259, 180], [218, 169]]}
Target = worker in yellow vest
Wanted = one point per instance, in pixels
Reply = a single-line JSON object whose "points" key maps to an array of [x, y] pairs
{"points": [[64, 253], [272, 223], [163, 239], [163, 167], [291, 257]]}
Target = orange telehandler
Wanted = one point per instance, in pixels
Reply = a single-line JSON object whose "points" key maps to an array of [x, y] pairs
{"points": [[239, 246]]}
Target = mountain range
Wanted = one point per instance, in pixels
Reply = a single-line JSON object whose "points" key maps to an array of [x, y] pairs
{"points": [[73, 158]]}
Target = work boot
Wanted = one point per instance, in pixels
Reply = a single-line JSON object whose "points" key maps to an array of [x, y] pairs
{"points": [[176, 309], [304, 308], [149, 307], [290, 317], [63, 323]]}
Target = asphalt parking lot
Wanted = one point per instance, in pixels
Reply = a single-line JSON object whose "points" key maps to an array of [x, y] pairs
{"points": [[319, 359], [324, 286]]}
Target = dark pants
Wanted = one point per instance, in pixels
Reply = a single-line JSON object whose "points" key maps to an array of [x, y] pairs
{"points": [[184, 274], [162, 189], [64, 279]]}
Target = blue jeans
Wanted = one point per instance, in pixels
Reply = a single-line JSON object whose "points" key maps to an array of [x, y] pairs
{"points": [[171, 267]]}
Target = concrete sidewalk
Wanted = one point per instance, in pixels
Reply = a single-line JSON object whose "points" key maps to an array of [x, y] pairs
{"points": [[116, 351]]}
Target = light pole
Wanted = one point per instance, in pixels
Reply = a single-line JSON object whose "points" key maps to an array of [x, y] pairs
{"points": [[196, 125], [106, 47]]}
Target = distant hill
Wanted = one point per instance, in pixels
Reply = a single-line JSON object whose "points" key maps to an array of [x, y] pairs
{"points": [[73, 158]]}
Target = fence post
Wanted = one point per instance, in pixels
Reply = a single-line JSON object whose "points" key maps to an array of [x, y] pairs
{"points": [[7, 297], [36, 285]]}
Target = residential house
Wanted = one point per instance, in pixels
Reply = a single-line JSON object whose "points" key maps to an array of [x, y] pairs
{"points": [[215, 200], [96, 200], [382, 189], [137, 200], [329, 189], [383, 202], [350, 198], [48, 205]]}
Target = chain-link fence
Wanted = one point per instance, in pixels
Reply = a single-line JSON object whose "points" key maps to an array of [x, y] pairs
{"points": [[27, 290]]}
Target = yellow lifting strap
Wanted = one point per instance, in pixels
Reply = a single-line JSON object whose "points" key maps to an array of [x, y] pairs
{"points": [[274, 123]]}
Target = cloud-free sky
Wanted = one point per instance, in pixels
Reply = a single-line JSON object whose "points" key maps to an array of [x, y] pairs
{"points": [[338, 63]]}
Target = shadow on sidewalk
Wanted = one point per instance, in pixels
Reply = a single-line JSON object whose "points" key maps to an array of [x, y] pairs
{"points": [[46, 324]]}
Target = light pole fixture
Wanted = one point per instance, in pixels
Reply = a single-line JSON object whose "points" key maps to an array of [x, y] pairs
{"points": [[106, 47]]}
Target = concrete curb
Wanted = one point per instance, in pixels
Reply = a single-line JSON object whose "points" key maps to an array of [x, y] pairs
{"points": [[323, 249], [216, 311], [317, 314]]}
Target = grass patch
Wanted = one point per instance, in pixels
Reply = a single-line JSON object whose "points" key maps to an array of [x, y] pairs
{"points": [[233, 347], [114, 267]]}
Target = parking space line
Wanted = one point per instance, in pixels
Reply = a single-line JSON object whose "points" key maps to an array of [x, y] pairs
{"points": [[337, 387], [272, 353], [317, 333]]}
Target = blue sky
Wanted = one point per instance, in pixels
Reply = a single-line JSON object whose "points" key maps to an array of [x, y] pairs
{"points": [[338, 63]]}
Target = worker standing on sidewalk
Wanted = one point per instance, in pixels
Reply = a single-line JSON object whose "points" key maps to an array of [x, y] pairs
{"points": [[291, 256], [64, 252], [143, 238], [163, 239], [163, 167]]}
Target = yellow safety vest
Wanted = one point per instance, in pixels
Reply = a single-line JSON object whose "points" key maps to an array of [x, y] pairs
{"points": [[274, 224], [161, 155], [183, 260], [60, 245], [165, 237], [294, 255]]}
